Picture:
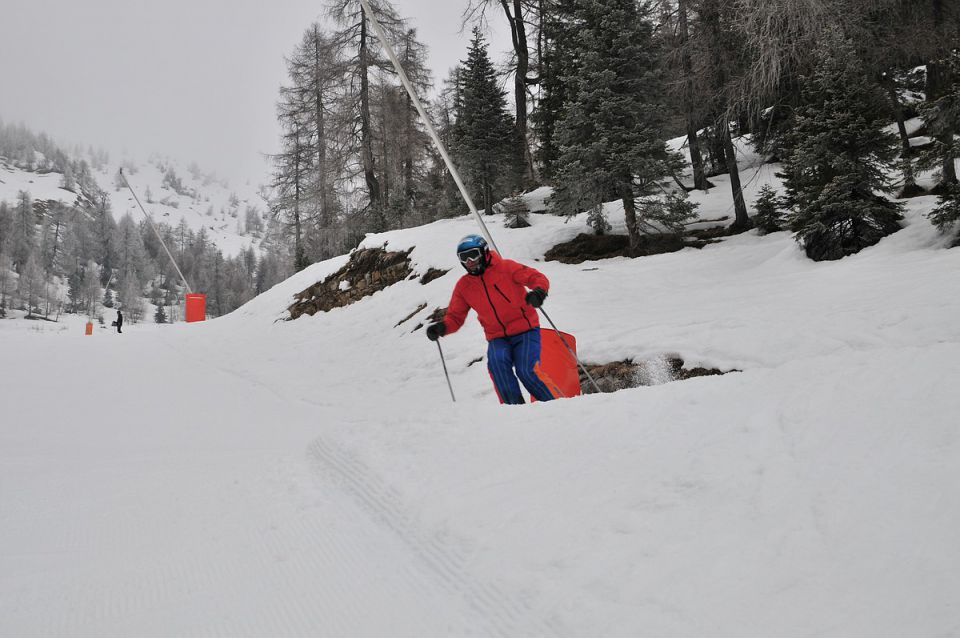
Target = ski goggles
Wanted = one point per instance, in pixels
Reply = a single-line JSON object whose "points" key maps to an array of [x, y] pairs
{"points": [[471, 254]]}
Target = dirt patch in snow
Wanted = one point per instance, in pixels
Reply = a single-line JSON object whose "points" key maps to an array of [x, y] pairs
{"points": [[587, 247], [430, 275], [368, 271]]}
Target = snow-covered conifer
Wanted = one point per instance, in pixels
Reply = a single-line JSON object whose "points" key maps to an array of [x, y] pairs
{"points": [[947, 212], [611, 129], [768, 217], [483, 134], [839, 159]]}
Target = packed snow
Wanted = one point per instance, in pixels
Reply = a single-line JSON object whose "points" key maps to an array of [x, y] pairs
{"points": [[250, 476]]}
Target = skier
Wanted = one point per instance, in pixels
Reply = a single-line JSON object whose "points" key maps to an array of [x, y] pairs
{"points": [[119, 321], [496, 289]]}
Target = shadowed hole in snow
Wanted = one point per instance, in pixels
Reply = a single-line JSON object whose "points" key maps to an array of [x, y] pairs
{"points": [[620, 375]]}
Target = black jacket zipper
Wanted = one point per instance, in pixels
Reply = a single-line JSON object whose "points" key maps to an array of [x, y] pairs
{"points": [[494, 308]]}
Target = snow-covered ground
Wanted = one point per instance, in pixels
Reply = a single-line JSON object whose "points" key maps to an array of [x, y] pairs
{"points": [[249, 477], [40, 186]]}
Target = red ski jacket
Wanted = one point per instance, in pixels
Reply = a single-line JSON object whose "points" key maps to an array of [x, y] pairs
{"points": [[498, 296]]}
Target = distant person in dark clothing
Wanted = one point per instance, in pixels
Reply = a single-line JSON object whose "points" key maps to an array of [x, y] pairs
{"points": [[119, 321]]}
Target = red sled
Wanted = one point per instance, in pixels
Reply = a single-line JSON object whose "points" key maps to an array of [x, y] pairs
{"points": [[558, 363]]}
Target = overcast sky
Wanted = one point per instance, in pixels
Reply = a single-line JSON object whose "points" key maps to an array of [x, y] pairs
{"points": [[193, 79]]}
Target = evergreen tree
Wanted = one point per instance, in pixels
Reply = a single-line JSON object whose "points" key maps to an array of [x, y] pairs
{"points": [[483, 133], [75, 290], [516, 213], [6, 228], [54, 231], [131, 299], [103, 229], [838, 157], [5, 275], [24, 231], [30, 284], [556, 65], [131, 256], [610, 131], [160, 316], [442, 197], [947, 212], [68, 182], [769, 213], [521, 15], [941, 114], [90, 288]]}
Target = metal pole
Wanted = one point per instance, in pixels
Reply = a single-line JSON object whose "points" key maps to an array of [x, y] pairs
{"points": [[444, 362], [155, 232], [569, 349], [426, 121]]}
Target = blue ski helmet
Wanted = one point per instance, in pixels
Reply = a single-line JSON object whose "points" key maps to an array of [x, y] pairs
{"points": [[473, 253]]}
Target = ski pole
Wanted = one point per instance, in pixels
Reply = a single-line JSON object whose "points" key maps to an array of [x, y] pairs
{"points": [[445, 373], [569, 349]]}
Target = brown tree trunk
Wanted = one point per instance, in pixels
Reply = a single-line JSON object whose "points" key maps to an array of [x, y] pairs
{"points": [[630, 214], [742, 221], [910, 187], [700, 181], [299, 255], [409, 128], [366, 138], [56, 244], [938, 84], [487, 197], [322, 169], [408, 193], [518, 34]]}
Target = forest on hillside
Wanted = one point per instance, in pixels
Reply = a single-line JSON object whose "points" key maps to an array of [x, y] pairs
{"points": [[597, 86], [76, 257]]}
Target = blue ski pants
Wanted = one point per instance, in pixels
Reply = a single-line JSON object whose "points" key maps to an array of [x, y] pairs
{"points": [[518, 356]]}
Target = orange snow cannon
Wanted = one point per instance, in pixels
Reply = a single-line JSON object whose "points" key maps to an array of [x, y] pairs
{"points": [[196, 307]]}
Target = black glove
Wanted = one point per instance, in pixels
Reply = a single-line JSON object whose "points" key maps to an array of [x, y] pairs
{"points": [[436, 330], [536, 296]]}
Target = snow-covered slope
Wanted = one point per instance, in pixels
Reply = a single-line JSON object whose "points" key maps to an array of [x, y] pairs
{"points": [[40, 186], [255, 477], [204, 201]]}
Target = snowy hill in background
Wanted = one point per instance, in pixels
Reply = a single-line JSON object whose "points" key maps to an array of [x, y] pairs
{"points": [[41, 186], [256, 477], [200, 199]]}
